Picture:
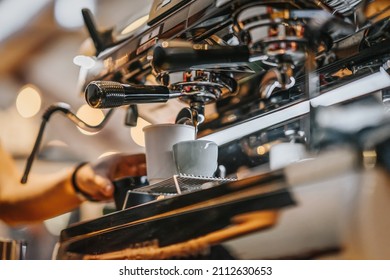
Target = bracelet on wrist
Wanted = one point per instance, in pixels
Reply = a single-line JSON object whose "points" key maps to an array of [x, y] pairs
{"points": [[76, 187]]}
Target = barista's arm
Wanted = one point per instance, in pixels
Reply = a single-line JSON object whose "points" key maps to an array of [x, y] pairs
{"points": [[45, 196]]}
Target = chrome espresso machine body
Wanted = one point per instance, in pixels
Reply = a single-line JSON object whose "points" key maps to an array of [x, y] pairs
{"points": [[252, 75]]}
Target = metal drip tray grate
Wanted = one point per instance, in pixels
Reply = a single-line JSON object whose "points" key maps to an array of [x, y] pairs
{"points": [[175, 185], [181, 184]]}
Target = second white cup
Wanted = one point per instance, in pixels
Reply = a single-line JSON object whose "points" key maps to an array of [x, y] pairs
{"points": [[196, 157]]}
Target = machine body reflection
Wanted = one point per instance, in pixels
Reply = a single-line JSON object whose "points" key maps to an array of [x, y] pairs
{"points": [[295, 94]]}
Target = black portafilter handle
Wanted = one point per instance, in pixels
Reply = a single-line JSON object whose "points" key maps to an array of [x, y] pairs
{"points": [[174, 56], [108, 94]]}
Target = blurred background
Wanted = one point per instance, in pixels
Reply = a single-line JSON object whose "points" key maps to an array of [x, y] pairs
{"points": [[39, 44], [40, 41]]}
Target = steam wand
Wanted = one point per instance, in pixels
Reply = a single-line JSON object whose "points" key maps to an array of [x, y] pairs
{"points": [[65, 109]]}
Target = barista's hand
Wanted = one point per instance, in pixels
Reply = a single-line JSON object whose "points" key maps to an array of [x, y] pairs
{"points": [[95, 179]]}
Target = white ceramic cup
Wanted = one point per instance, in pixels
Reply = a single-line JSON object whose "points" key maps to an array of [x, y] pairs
{"points": [[282, 154], [196, 157], [159, 139]]}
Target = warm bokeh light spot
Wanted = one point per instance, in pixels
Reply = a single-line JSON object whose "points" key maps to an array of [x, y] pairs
{"points": [[137, 133], [29, 101], [91, 116]]}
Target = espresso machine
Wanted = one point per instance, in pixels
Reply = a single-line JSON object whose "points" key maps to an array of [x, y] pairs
{"points": [[295, 94]]}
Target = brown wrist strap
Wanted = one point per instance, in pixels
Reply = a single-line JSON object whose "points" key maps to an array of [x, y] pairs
{"points": [[76, 187]]}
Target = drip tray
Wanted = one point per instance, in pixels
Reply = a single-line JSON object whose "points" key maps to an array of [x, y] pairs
{"points": [[175, 185]]}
